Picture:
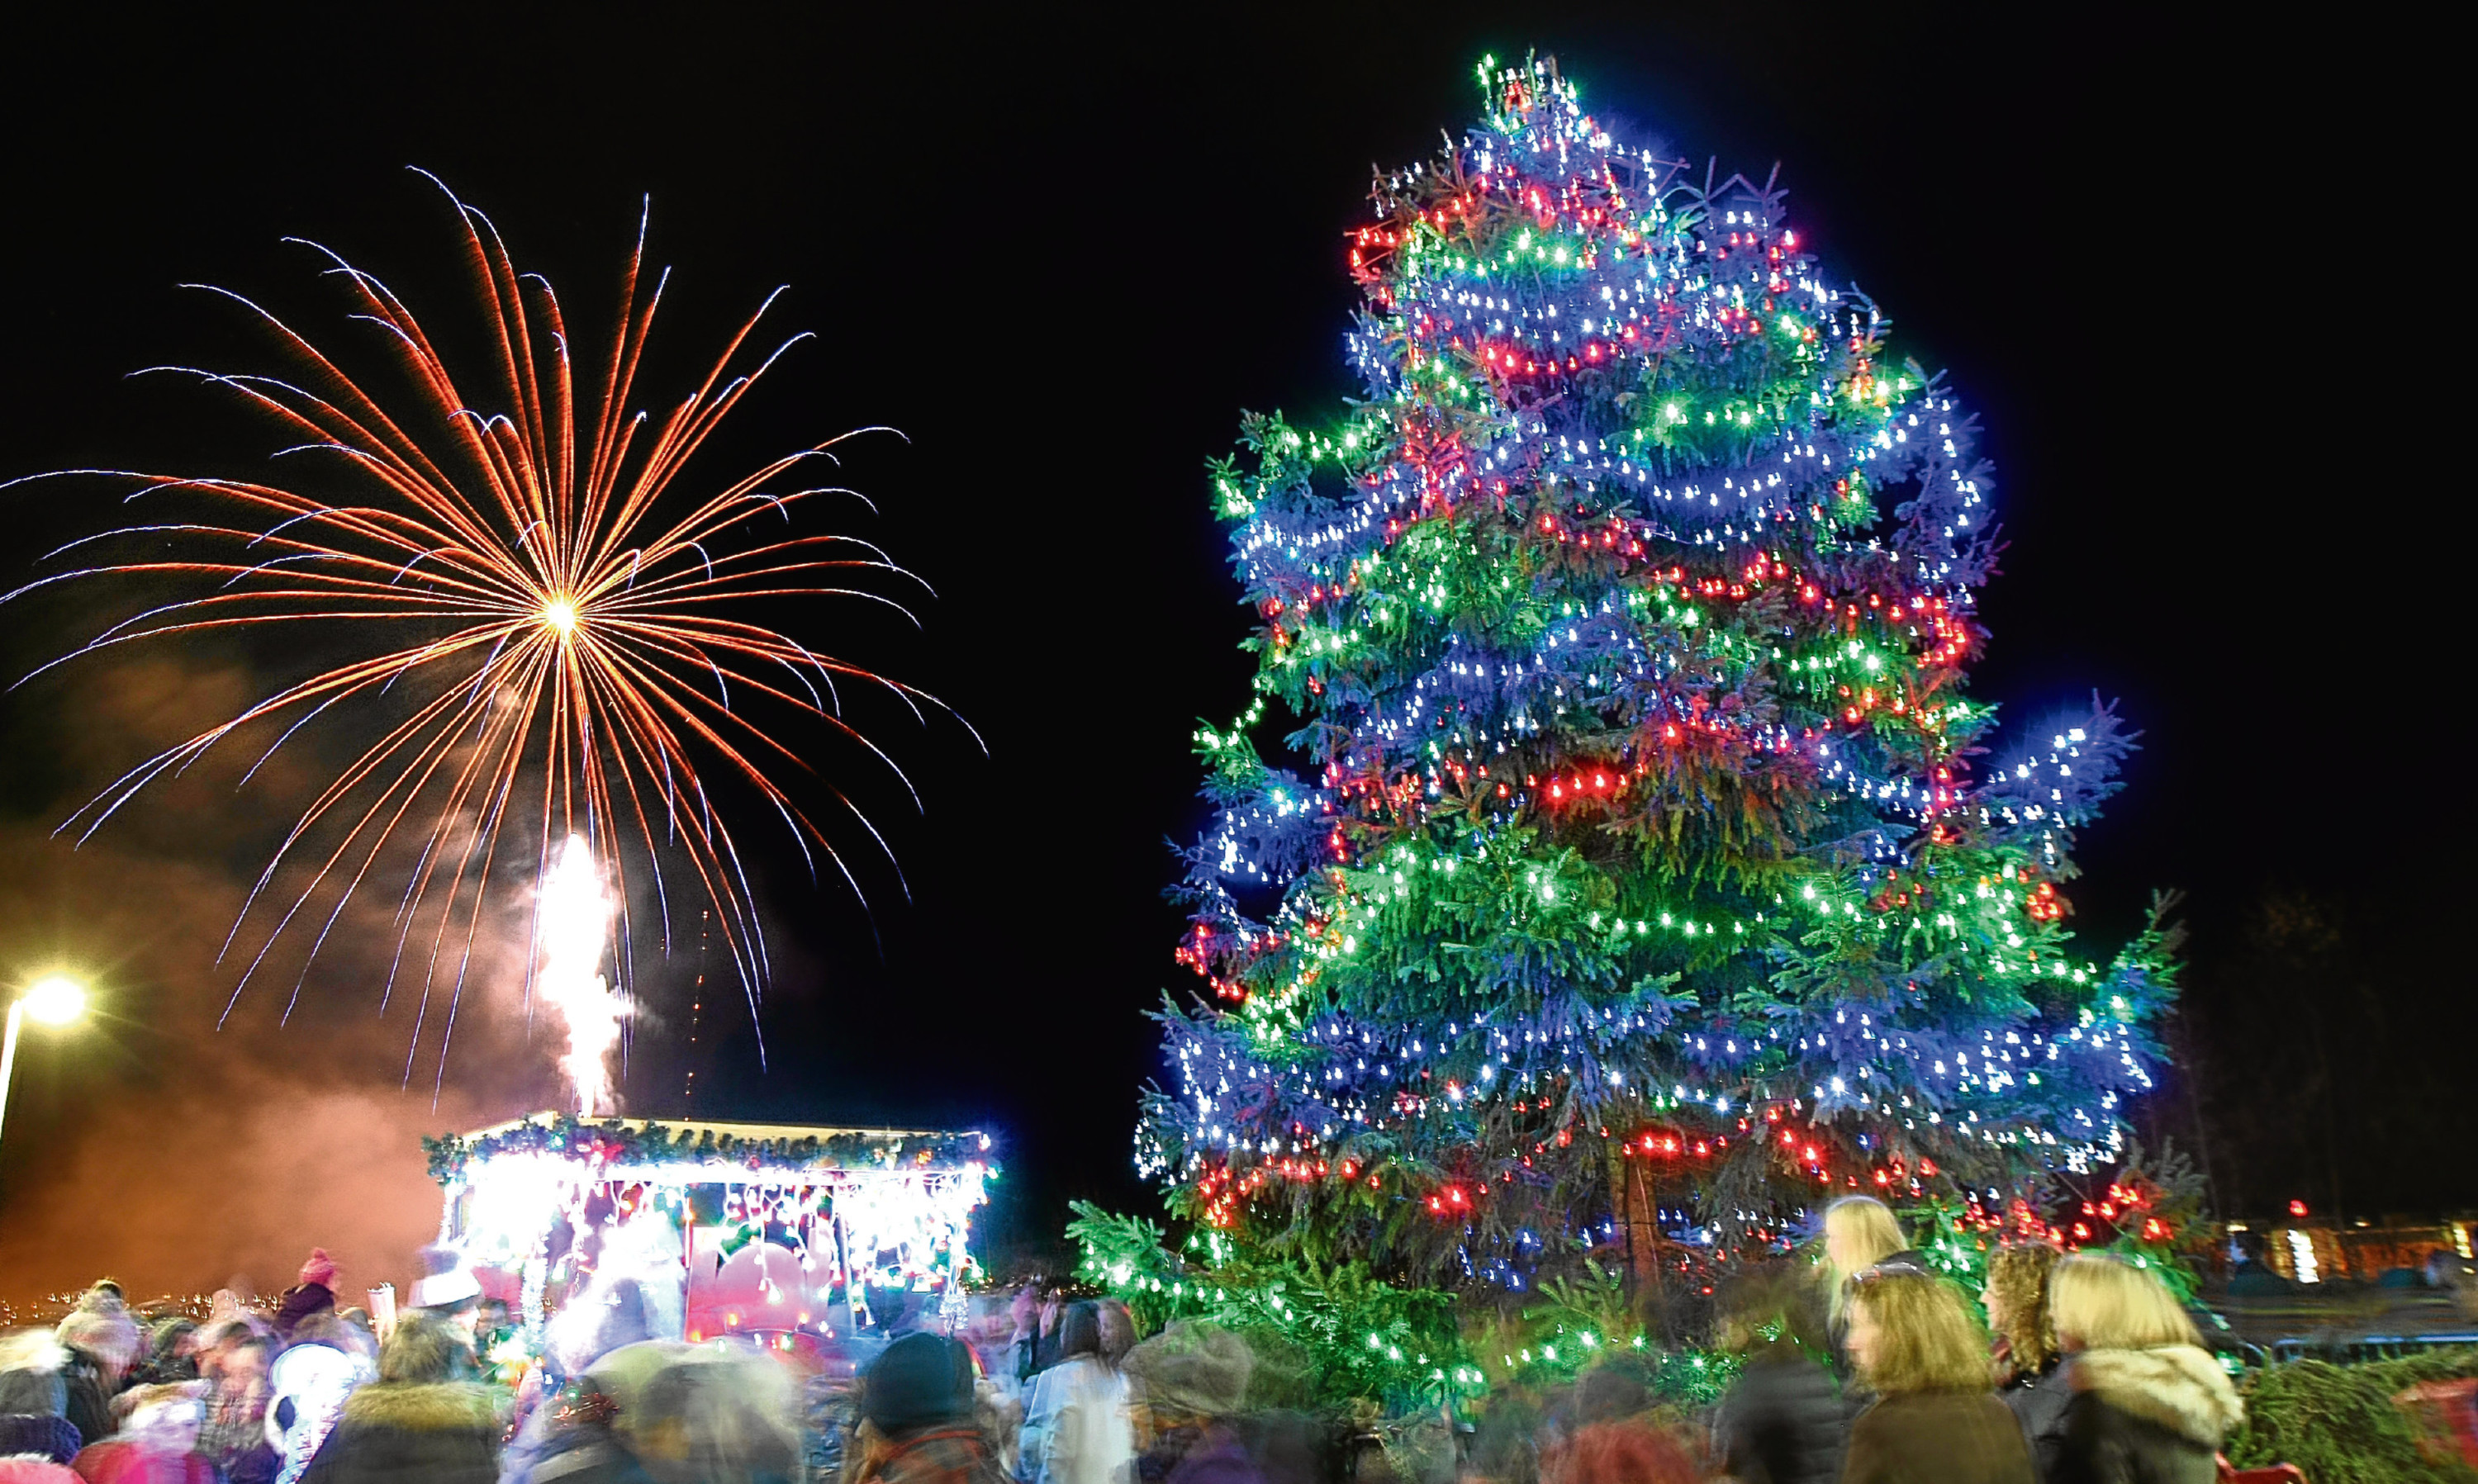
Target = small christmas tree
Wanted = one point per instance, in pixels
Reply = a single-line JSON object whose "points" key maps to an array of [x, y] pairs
{"points": [[1649, 885]]}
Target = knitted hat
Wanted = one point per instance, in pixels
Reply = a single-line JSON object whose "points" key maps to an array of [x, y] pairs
{"points": [[51, 1436], [918, 1380], [320, 1269], [1194, 1367]]}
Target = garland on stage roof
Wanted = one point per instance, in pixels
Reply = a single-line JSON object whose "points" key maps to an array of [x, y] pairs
{"points": [[1654, 876], [612, 1143]]}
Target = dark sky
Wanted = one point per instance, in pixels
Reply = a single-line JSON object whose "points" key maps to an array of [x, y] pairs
{"points": [[1062, 255]]}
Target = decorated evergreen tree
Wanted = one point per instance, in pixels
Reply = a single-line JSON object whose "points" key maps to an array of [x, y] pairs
{"points": [[1647, 882]]}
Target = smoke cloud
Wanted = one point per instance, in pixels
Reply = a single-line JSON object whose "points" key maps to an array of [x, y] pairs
{"points": [[150, 1145]]}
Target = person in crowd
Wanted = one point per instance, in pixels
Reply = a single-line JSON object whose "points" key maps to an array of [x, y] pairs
{"points": [[1053, 1309], [1783, 1421], [575, 1441], [2027, 1363], [418, 1420], [34, 1395], [1934, 1420], [227, 1306], [1118, 1331], [1076, 1428], [718, 1417], [156, 1442], [327, 1361], [1625, 1451], [447, 1290], [313, 1294], [102, 1342], [1187, 1383], [233, 1435], [2149, 1405], [1859, 1233], [172, 1353], [916, 1427]]}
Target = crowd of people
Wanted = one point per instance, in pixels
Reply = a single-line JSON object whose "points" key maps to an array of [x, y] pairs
{"points": [[1866, 1369]]}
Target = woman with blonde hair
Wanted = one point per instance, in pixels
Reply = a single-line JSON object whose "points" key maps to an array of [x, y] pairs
{"points": [[1859, 1233], [2027, 1368], [1934, 1421], [2150, 1405]]}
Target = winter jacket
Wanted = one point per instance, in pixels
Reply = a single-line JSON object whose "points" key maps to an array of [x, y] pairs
{"points": [[1076, 1428], [398, 1432], [2146, 1417], [35, 1470], [2038, 1403], [1780, 1422], [1948, 1437]]}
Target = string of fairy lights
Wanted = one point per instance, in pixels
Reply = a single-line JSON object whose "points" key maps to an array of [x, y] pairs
{"points": [[1628, 617]]}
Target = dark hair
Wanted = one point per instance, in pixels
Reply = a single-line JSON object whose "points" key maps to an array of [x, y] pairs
{"points": [[1079, 1330]]}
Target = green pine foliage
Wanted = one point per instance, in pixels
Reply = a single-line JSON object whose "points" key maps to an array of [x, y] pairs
{"points": [[1651, 877], [2340, 1424], [1325, 1336]]}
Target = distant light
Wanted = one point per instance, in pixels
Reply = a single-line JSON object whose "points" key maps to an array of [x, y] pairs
{"points": [[56, 1000], [2301, 1257]]}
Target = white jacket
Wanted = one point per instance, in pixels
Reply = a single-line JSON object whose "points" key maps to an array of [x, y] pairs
{"points": [[1076, 1428]]}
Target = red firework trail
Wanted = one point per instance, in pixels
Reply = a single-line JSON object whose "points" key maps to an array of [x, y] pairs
{"points": [[565, 657]]}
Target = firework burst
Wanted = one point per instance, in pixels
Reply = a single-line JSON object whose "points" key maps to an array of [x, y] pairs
{"points": [[553, 637]]}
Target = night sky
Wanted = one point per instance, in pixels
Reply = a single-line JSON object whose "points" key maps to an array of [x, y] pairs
{"points": [[1062, 256]]}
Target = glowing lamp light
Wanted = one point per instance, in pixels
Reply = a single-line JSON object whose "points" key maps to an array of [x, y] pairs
{"points": [[56, 1000], [2301, 1256], [2298, 1208]]}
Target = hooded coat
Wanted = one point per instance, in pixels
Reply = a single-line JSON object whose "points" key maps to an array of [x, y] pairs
{"points": [[2146, 1417], [397, 1432]]}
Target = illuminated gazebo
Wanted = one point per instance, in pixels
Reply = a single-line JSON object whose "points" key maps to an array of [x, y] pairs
{"points": [[763, 1229]]}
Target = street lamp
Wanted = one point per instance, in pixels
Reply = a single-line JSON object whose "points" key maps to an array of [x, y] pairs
{"points": [[56, 999]]}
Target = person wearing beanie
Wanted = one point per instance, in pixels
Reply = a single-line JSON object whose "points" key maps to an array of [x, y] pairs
{"points": [[916, 1404], [1185, 1385], [313, 1294], [32, 1394]]}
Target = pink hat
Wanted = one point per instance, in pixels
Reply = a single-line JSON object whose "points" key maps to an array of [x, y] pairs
{"points": [[320, 1269]]}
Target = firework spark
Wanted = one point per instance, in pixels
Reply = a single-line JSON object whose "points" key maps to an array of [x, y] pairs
{"points": [[574, 920], [554, 637]]}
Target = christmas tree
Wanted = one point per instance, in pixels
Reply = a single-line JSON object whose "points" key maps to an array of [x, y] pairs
{"points": [[1647, 880]]}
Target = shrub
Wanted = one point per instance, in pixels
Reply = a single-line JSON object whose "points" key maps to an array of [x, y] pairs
{"points": [[2338, 1424]]}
